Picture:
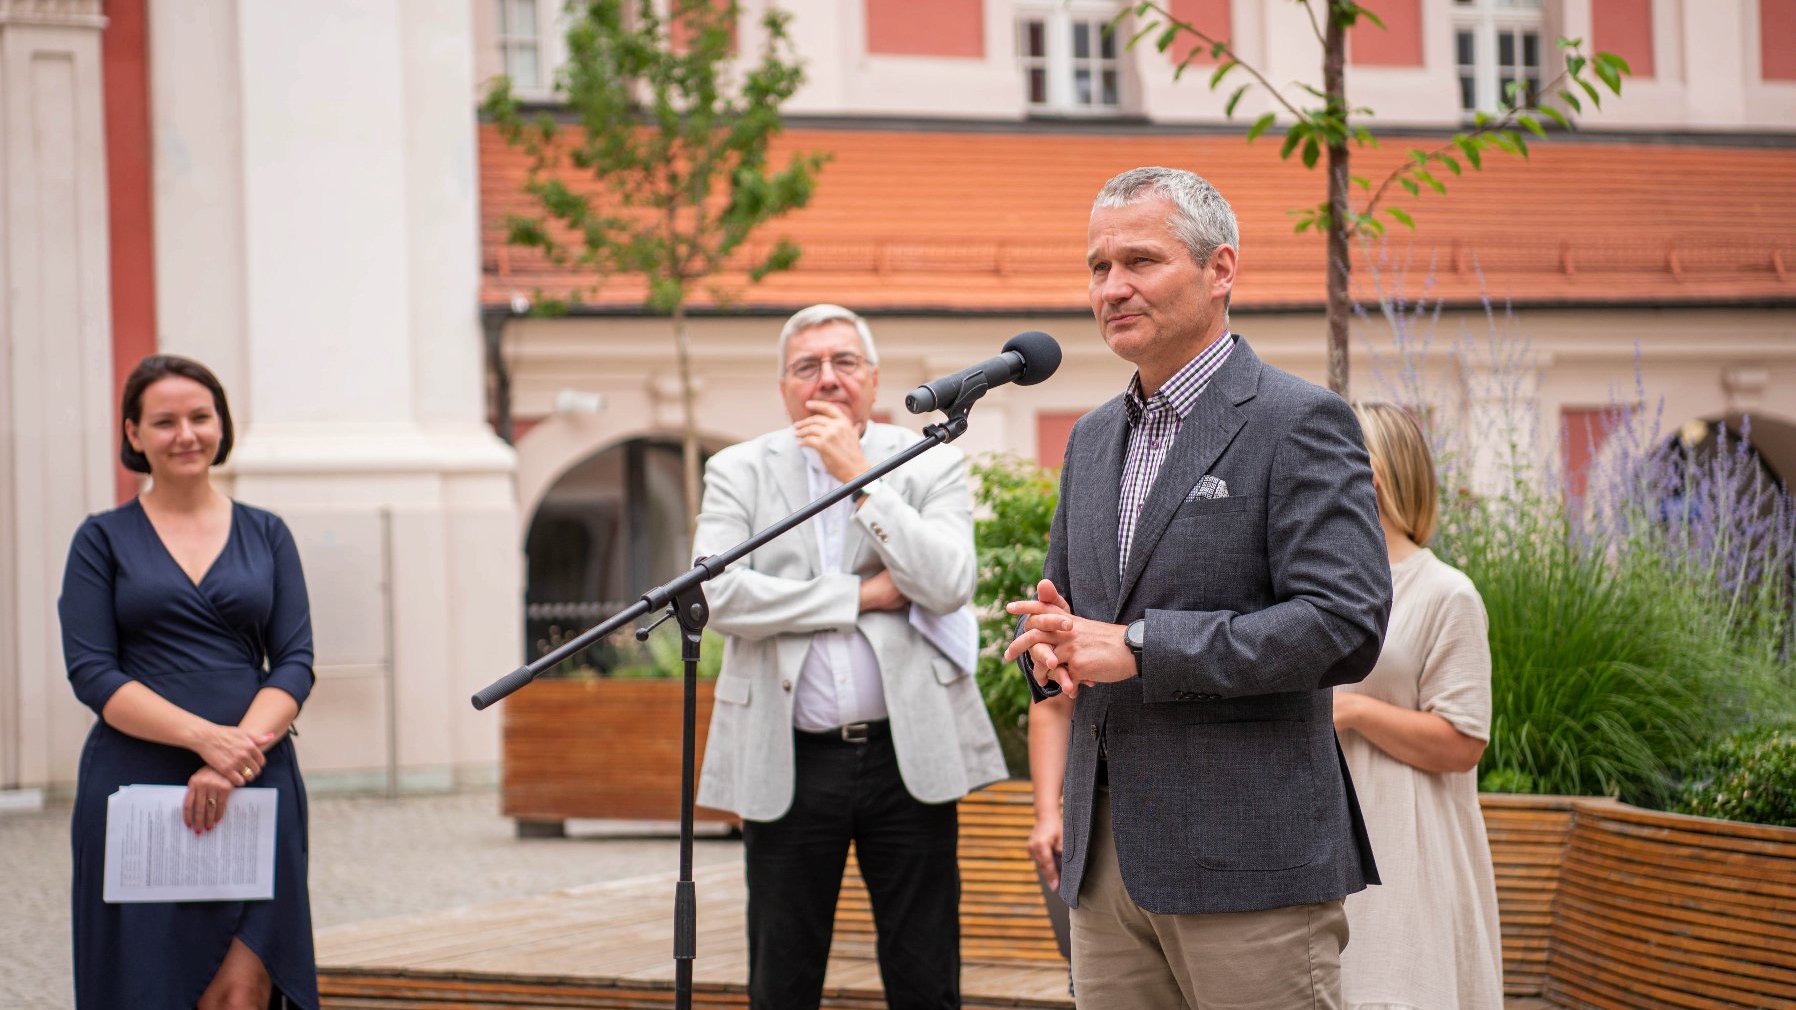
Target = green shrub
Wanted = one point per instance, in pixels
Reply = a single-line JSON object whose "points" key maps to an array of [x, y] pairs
{"points": [[1630, 625], [1604, 675], [1016, 507], [1750, 776]]}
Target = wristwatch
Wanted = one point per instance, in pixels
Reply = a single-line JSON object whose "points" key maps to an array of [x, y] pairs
{"points": [[1134, 636], [866, 489]]}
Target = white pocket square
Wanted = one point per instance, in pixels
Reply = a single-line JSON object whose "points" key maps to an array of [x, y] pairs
{"points": [[1210, 487]]}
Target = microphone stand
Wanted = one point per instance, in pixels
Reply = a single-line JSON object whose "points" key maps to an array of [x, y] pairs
{"points": [[684, 600]]}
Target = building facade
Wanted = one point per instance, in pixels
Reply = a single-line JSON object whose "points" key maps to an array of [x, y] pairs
{"points": [[1646, 257], [287, 192], [301, 196]]}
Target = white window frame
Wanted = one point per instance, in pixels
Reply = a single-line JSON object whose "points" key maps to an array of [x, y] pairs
{"points": [[510, 43], [1487, 20], [1058, 19]]}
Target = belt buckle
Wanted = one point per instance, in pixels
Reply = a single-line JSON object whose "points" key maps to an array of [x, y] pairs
{"points": [[856, 732]]}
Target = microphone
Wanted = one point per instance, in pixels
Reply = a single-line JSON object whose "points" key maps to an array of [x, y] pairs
{"points": [[1027, 359]]}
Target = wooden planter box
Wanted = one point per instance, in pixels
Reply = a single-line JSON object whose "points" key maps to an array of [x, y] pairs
{"points": [[597, 748]]}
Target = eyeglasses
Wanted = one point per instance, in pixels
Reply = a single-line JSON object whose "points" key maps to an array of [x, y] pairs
{"points": [[846, 365]]}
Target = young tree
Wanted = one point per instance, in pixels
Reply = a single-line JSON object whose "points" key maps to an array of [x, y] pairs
{"points": [[1334, 128], [674, 133]]}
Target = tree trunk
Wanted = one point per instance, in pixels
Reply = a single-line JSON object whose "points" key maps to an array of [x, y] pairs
{"points": [[1340, 266], [688, 423]]}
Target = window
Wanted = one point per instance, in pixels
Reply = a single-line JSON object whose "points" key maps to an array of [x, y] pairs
{"points": [[1069, 62], [520, 48], [1497, 53]]}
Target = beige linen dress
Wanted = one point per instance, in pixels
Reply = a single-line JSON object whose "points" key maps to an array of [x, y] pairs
{"points": [[1426, 939]]}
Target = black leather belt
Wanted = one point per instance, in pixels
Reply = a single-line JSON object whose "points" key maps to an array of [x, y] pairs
{"points": [[854, 733]]}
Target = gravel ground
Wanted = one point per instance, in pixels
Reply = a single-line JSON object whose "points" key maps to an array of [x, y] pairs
{"points": [[371, 858]]}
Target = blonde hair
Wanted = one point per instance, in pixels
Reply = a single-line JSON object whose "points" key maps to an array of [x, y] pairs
{"points": [[1407, 493]]}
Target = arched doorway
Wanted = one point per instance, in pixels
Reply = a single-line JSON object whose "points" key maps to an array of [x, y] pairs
{"points": [[610, 527]]}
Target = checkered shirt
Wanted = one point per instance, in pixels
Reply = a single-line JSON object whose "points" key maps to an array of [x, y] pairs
{"points": [[1153, 424]]}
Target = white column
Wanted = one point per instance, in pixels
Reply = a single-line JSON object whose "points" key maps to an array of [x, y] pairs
{"points": [[352, 139], [197, 179], [1506, 435], [55, 362]]}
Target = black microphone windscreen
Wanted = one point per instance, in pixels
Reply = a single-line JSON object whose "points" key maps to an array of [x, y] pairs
{"points": [[1041, 355]]}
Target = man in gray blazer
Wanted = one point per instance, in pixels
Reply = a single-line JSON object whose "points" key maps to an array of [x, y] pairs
{"points": [[1214, 567], [838, 719]]}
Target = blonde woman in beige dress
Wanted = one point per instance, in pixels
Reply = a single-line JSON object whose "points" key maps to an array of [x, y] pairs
{"points": [[1413, 732]]}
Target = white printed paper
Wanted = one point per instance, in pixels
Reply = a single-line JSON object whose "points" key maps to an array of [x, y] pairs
{"points": [[152, 856], [955, 633]]}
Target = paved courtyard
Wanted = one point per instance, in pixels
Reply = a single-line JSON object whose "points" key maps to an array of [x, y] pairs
{"points": [[371, 858]]}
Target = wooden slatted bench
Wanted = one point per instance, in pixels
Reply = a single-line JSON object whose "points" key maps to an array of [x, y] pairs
{"points": [[1664, 910], [1528, 837], [1603, 906], [1003, 918]]}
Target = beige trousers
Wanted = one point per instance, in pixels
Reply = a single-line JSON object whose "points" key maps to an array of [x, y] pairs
{"points": [[1127, 958]]}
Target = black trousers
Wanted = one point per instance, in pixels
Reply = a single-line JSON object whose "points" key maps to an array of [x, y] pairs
{"points": [[847, 792]]}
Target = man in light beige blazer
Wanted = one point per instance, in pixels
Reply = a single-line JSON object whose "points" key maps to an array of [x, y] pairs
{"points": [[838, 718]]}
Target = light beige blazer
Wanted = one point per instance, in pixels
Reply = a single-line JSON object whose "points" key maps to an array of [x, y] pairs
{"points": [[919, 525]]}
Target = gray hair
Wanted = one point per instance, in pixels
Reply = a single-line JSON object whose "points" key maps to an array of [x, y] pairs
{"points": [[1201, 218], [817, 315]]}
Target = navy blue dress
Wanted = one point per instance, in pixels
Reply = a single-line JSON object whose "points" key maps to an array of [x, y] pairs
{"points": [[130, 613]]}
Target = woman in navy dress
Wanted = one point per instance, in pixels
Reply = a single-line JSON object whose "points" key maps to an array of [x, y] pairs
{"points": [[185, 627]]}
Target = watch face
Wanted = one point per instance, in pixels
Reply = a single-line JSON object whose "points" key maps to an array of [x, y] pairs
{"points": [[1133, 635]]}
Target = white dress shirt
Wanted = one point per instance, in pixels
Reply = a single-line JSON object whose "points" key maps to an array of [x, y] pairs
{"points": [[839, 681]]}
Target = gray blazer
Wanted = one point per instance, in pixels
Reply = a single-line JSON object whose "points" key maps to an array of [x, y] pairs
{"points": [[919, 525], [1228, 791]]}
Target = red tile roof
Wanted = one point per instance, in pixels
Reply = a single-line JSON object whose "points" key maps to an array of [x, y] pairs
{"points": [[961, 221]]}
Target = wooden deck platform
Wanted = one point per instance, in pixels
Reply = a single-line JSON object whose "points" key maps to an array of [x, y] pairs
{"points": [[602, 946]]}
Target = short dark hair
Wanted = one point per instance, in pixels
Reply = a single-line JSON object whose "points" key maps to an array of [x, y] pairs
{"points": [[151, 370]]}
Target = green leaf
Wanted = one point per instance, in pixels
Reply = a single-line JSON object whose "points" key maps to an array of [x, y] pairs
{"points": [[1451, 162], [1374, 18], [1423, 176], [1572, 100], [1609, 76], [1469, 147], [1293, 136], [1402, 217], [1532, 124], [1574, 65], [1260, 126], [1304, 224], [1409, 184], [1234, 99], [1221, 72], [1311, 152], [1502, 142], [1556, 116], [1165, 40], [1362, 182], [1141, 32], [1520, 142], [1364, 136], [1596, 97], [1615, 60]]}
